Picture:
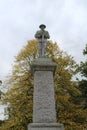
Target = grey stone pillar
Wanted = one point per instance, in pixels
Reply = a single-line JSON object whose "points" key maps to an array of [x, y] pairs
{"points": [[44, 113], [44, 103]]}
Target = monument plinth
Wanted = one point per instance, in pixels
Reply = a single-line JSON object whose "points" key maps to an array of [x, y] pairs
{"points": [[44, 113], [44, 102]]}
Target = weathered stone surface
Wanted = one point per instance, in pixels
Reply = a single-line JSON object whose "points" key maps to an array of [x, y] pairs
{"points": [[44, 103], [45, 126], [44, 113], [43, 64], [44, 61]]}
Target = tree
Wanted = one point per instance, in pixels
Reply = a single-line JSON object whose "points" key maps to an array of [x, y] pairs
{"points": [[1, 122], [0, 90], [19, 97], [83, 83]]}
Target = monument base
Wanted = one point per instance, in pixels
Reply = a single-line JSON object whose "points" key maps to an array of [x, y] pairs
{"points": [[45, 126]]}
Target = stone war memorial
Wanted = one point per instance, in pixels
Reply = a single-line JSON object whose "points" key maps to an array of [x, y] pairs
{"points": [[44, 112]]}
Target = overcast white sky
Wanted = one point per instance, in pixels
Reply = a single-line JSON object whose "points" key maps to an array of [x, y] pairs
{"points": [[66, 21]]}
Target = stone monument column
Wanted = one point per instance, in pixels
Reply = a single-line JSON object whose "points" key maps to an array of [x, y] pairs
{"points": [[44, 103], [44, 113]]}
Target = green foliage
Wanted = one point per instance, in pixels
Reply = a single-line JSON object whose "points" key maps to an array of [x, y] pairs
{"points": [[1, 122], [83, 83], [85, 50], [19, 97]]}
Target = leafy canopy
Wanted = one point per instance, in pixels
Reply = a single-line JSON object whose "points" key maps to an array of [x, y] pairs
{"points": [[83, 83]]}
